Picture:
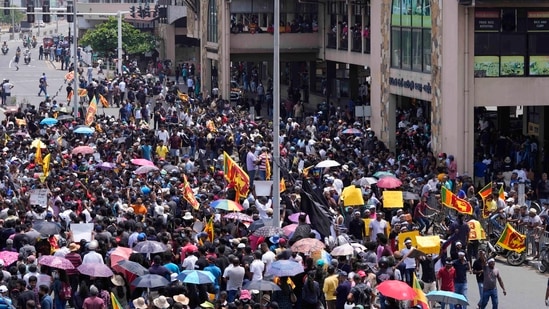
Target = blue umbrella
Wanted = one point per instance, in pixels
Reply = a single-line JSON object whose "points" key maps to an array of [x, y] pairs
{"points": [[285, 268], [447, 298], [84, 130], [196, 277], [49, 121], [150, 281]]}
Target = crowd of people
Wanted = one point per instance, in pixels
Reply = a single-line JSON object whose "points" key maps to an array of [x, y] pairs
{"points": [[182, 139]]}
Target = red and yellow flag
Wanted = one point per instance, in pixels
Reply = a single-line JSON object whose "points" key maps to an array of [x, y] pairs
{"points": [[183, 96], [188, 193], [115, 303], [69, 76], [512, 240], [282, 185], [420, 299], [502, 192], [236, 176], [486, 191], [38, 155], [209, 229], [451, 200], [90, 114], [268, 171], [104, 101], [82, 92]]}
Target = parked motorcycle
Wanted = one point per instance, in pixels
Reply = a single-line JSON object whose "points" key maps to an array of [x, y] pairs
{"points": [[5, 49], [27, 58], [493, 249], [544, 258]]}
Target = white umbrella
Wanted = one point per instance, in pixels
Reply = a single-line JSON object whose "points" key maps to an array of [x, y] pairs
{"points": [[343, 250], [371, 180], [327, 163]]}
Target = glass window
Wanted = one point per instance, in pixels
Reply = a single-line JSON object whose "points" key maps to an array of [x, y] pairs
{"points": [[426, 50], [486, 43], [486, 66], [512, 66], [417, 13], [212, 21], [417, 50], [406, 12], [538, 43], [395, 16], [512, 44], [395, 47], [406, 45]]}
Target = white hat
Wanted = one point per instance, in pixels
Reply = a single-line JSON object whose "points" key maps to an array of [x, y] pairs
{"points": [[3, 289], [93, 245], [182, 299], [161, 302], [188, 216], [139, 303]]}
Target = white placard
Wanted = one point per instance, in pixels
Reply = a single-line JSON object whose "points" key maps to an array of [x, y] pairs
{"points": [[81, 231], [39, 197]]}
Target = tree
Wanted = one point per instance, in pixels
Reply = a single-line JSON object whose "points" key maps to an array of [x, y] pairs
{"points": [[6, 19], [103, 39]]}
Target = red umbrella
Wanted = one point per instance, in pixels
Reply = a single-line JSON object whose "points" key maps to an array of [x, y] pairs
{"points": [[389, 183], [119, 254], [396, 289], [142, 162]]}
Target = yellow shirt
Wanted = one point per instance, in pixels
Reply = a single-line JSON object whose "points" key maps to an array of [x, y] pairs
{"points": [[330, 286], [161, 151]]}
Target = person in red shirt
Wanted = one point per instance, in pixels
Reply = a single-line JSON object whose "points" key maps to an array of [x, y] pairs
{"points": [[445, 278]]}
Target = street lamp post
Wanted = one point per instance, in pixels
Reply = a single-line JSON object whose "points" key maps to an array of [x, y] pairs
{"points": [[276, 115], [75, 96], [119, 63]]}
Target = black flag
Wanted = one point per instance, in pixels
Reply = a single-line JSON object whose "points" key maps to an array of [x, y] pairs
{"points": [[318, 211]]}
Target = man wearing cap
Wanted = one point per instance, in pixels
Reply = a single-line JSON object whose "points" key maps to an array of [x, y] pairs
{"points": [[446, 277], [92, 256], [409, 262], [356, 227], [342, 290], [489, 289], [5, 301], [462, 267], [532, 222]]}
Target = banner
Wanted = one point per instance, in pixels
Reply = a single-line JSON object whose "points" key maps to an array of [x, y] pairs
{"points": [[512, 240], [81, 231], [90, 114], [38, 197], [392, 199]]}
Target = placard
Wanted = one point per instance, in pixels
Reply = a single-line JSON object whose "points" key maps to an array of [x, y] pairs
{"points": [[81, 231], [392, 199], [39, 197], [428, 244], [402, 237]]}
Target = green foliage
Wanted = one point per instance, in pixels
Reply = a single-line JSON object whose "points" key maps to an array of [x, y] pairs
{"points": [[6, 19], [103, 39]]}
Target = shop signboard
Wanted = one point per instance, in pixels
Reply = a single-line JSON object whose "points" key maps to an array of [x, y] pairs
{"points": [[487, 20]]}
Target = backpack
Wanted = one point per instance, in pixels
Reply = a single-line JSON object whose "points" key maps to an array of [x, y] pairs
{"points": [[65, 293], [41, 80], [364, 293]]}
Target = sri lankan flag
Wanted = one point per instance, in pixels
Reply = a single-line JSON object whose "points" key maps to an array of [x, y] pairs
{"points": [[236, 176], [282, 185], [38, 156], [115, 303], [450, 200], [82, 92], [103, 101], [420, 299], [183, 96], [512, 240], [268, 171], [90, 114], [486, 191], [69, 76], [188, 193], [502, 192], [209, 229]]}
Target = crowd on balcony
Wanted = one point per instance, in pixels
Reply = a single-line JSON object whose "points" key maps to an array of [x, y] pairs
{"points": [[251, 24]]}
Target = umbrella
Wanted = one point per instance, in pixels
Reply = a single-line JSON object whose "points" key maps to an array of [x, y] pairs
{"points": [[289, 229], [295, 218], [120, 140], [327, 163], [142, 162], [55, 262], [105, 166], [84, 130], [46, 228], [308, 245], [38, 143], [268, 231], [343, 250], [132, 267], [119, 254], [389, 183], [352, 131], [228, 205], [65, 117], [150, 281], [145, 169], [239, 216], [49, 121], [196, 277], [257, 224], [410, 195], [396, 289], [371, 180], [170, 168], [447, 298], [382, 174], [97, 270], [285, 268], [262, 285], [150, 246], [9, 257], [83, 150]]}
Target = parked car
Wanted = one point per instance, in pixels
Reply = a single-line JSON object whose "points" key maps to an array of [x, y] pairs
{"points": [[236, 91]]}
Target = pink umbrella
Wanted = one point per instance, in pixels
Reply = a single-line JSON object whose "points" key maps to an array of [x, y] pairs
{"points": [[289, 229], [83, 150], [8, 257], [295, 218], [389, 183], [142, 162], [119, 254], [55, 262]]}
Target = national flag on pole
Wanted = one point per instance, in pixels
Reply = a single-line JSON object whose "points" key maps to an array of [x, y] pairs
{"points": [[46, 165], [183, 96], [512, 240], [103, 101], [502, 192], [69, 76], [82, 92], [282, 185], [38, 155], [209, 229], [115, 303], [420, 299], [236, 176], [450, 200], [306, 170], [90, 114], [267, 168], [486, 191], [188, 193]]}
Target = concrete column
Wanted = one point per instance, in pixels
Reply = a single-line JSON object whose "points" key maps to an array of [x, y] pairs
{"points": [[390, 109]]}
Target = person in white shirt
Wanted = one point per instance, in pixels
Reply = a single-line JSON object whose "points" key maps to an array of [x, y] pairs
{"points": [[235, 278], [268, 256], [92, 256], [409, 262], [163, 134], [190, 261], [379, 225], [257, 267], [262, 207]]}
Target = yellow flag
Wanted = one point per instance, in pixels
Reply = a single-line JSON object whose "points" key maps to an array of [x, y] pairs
{"points": [[306, 170], [267, 168], [282, 185], [38, 156], [46, 165], [103, 101], [6, 139], [183, 96], [90, 114]]}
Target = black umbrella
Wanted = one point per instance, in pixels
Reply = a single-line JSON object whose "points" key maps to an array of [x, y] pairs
{"points": [[133, 267], [150, 246], [257, 224], [46, 228]]}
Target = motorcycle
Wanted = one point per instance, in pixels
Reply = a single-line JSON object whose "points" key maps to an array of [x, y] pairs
{"points": [[5, 50], [493, 249], [33, 44], [27, 58], [544, 258]]}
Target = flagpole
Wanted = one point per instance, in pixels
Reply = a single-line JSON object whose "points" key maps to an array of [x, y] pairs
{"points": [[276, 116]]}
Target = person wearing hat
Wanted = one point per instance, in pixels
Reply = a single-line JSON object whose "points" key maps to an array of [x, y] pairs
{"points": [[462, 267], [161, 302], [181, 298], [119, 290], [532, 222], [92, 256], [5, 301], [489, 287], [95, 302], [139, 303], [357, 227], [207, 305], [446, 277]]}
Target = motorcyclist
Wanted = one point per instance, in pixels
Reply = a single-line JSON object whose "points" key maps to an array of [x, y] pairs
{"points": [[5, 44]]}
